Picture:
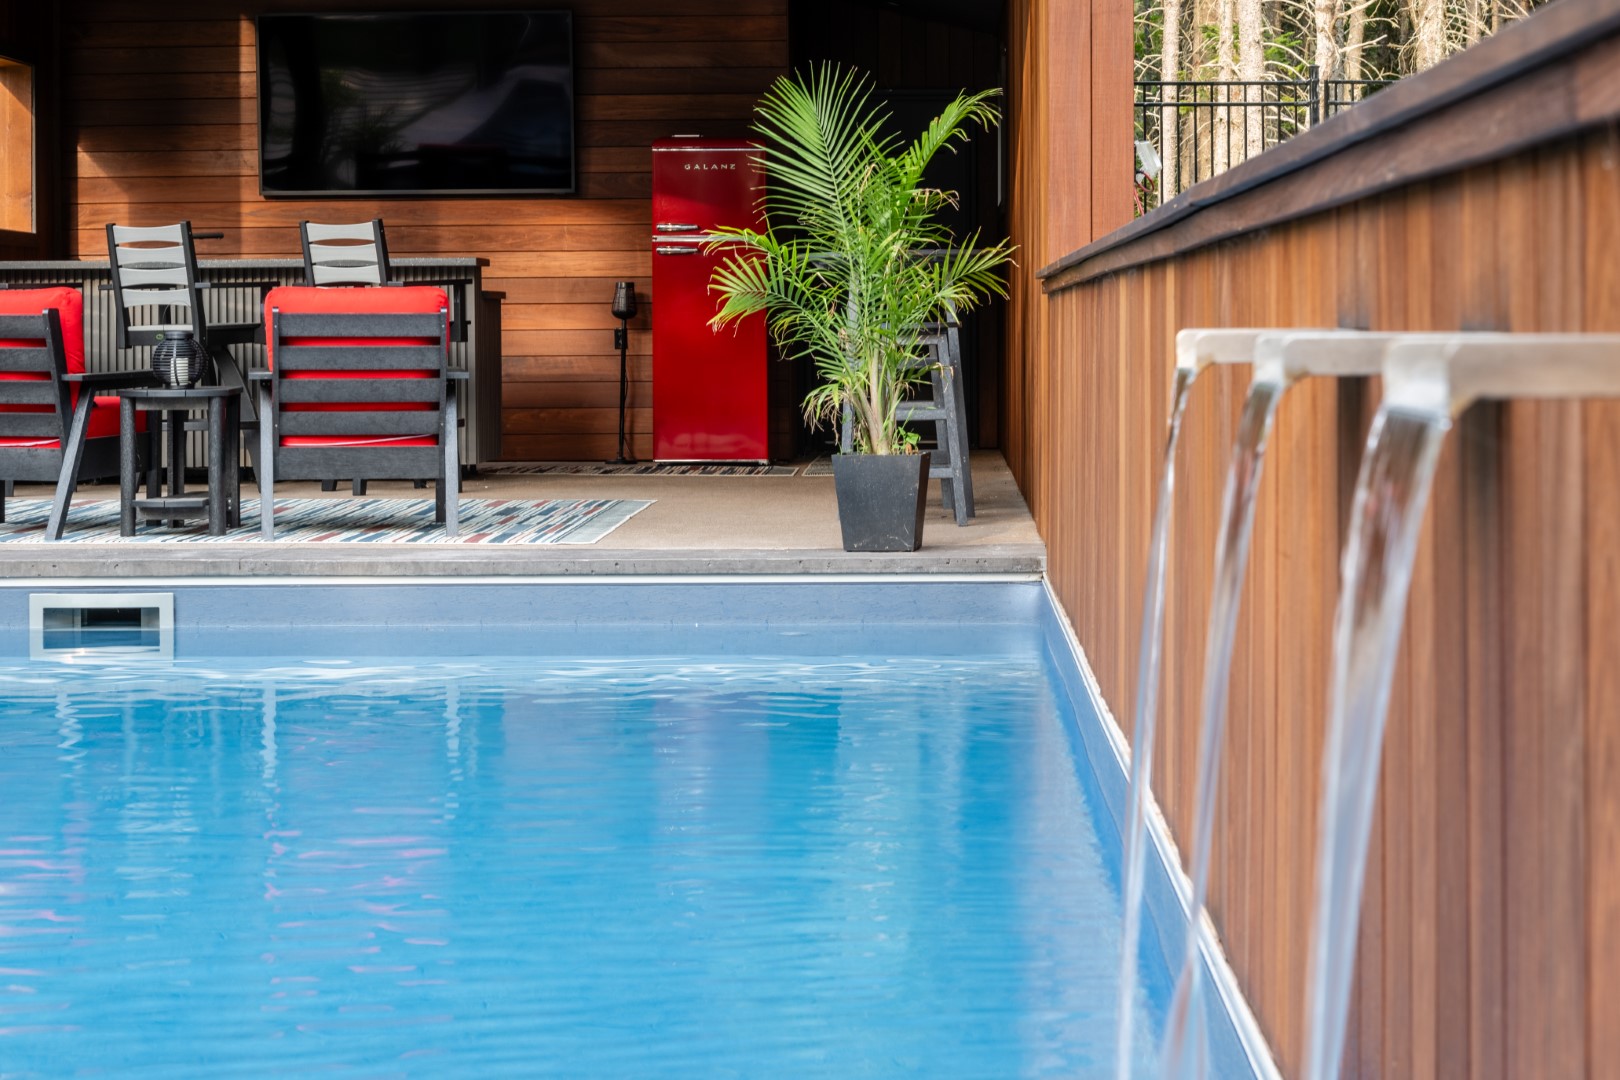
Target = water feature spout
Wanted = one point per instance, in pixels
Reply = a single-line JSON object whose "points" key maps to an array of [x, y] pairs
{"points": [[1196, 349], [1428, 381], [1281, 359]]}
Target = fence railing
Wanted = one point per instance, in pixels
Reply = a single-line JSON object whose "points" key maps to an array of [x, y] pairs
{"points": [[1190, 131]]}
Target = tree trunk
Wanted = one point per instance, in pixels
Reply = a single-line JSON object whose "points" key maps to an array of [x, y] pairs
{"points": [[1226, 72], [1252, 68], [1355, 38], [1325, 17], [1169, 115], [1428, 33]]}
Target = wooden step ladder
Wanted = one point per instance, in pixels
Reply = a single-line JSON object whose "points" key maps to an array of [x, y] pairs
{"points": [[946, 409]]}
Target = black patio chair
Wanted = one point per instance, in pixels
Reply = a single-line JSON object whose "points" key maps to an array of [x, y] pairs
{"points": [[357, 255], [357, 393], [158, 291], [53, 425]]}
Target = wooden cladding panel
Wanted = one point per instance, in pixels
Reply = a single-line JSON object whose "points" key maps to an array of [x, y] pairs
{"points": [[1491, 926], [161, 107]]}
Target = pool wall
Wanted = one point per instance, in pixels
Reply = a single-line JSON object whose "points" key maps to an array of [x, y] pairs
{"points": [[580, 617], [1237, 1045]]}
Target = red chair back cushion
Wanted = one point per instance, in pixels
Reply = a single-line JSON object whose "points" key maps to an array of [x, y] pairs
{"points": [[352, 300], [349, 300], [69, 304]]}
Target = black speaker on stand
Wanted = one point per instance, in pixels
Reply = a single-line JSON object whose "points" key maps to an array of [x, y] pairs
{"points": [[624, 309]]}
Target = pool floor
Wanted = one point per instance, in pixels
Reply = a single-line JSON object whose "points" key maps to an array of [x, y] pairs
{"points": [[699, 866]]}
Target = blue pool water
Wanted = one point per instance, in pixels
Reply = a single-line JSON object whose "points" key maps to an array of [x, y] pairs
{"points": [[696, 867]]}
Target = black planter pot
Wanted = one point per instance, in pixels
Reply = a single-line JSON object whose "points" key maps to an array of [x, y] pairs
{"points": [[880, 500]]}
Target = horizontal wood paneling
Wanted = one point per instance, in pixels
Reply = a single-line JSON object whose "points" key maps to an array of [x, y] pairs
{"points": [[1489, 938], [162, 124]]}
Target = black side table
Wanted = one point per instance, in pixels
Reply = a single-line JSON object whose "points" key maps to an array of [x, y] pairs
{"points": [[222, 504]]}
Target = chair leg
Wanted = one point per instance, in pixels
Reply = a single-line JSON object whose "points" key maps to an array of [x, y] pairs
{"points": [[72, 454], [154, 455], [328, 485], [265, 472], [447, 491], [961, 466], [5, 493], [944, 444], [357, 486]]}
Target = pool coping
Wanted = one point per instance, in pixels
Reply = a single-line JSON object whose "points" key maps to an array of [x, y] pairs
{"points": [[458, 562]]}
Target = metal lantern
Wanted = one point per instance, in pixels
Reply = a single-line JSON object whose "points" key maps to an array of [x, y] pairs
{"points": [[179, 359]]}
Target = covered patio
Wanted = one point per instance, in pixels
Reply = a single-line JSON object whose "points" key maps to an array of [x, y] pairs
{"points": [[1482, 194]]}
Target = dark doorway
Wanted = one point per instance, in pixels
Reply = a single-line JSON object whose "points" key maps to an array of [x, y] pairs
{"points": [[920, 56]]}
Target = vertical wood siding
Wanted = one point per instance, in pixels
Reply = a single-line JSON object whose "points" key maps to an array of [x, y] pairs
{"points": [[161, 120], [1490, 941]]}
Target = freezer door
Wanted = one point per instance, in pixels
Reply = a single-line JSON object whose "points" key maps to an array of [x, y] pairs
{"points": [[709, 387], [702, 184]]}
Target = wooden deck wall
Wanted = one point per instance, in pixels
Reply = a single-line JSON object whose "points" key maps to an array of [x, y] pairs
{"points": [[160, 123], [1490, 942]]}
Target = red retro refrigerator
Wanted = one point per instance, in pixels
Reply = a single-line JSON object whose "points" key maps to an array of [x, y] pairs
{"points": [[709, 395]]}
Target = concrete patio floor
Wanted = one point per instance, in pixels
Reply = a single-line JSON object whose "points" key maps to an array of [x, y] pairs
{"points": [[697, 525]]}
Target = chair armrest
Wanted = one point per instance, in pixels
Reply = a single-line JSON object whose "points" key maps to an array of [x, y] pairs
{"points": [[458, 375], [260, 376], [115, 380]]}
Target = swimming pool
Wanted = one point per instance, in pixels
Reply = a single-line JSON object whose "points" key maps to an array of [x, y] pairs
{"points": [[675, 832]]}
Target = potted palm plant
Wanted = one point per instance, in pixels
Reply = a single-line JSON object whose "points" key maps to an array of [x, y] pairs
{"points": [[850, 270]]}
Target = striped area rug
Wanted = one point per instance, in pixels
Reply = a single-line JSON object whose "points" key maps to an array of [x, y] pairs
{"points": [[640, 468], [346, 521]]}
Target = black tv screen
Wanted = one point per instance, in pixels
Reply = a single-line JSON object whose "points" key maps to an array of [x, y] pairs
{"points": [[413, 104]]}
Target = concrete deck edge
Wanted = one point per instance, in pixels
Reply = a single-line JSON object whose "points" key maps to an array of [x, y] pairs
{"points": [[99, 561]]}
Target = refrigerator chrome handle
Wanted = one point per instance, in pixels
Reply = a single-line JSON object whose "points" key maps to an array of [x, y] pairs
{"points": [[672, 227], [674, 249]]}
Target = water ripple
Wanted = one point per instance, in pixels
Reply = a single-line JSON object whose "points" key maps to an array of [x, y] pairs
{"points": [[522, 867]]}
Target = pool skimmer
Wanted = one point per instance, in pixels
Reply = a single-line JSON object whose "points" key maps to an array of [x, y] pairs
{"points": [[67, 626]]}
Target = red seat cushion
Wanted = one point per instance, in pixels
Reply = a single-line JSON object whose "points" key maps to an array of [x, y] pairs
{"points": [[103, 424], [358, 440]]}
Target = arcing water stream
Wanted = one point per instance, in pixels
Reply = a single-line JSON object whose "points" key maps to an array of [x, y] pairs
{"points": [[1280, 360], [1428, 381], [1195, 350]]}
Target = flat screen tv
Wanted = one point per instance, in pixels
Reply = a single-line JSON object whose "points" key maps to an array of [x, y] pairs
{"points": [[464, 103]]}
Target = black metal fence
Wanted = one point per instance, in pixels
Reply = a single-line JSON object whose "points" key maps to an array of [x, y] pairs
{"points": [[1190, 131]]}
